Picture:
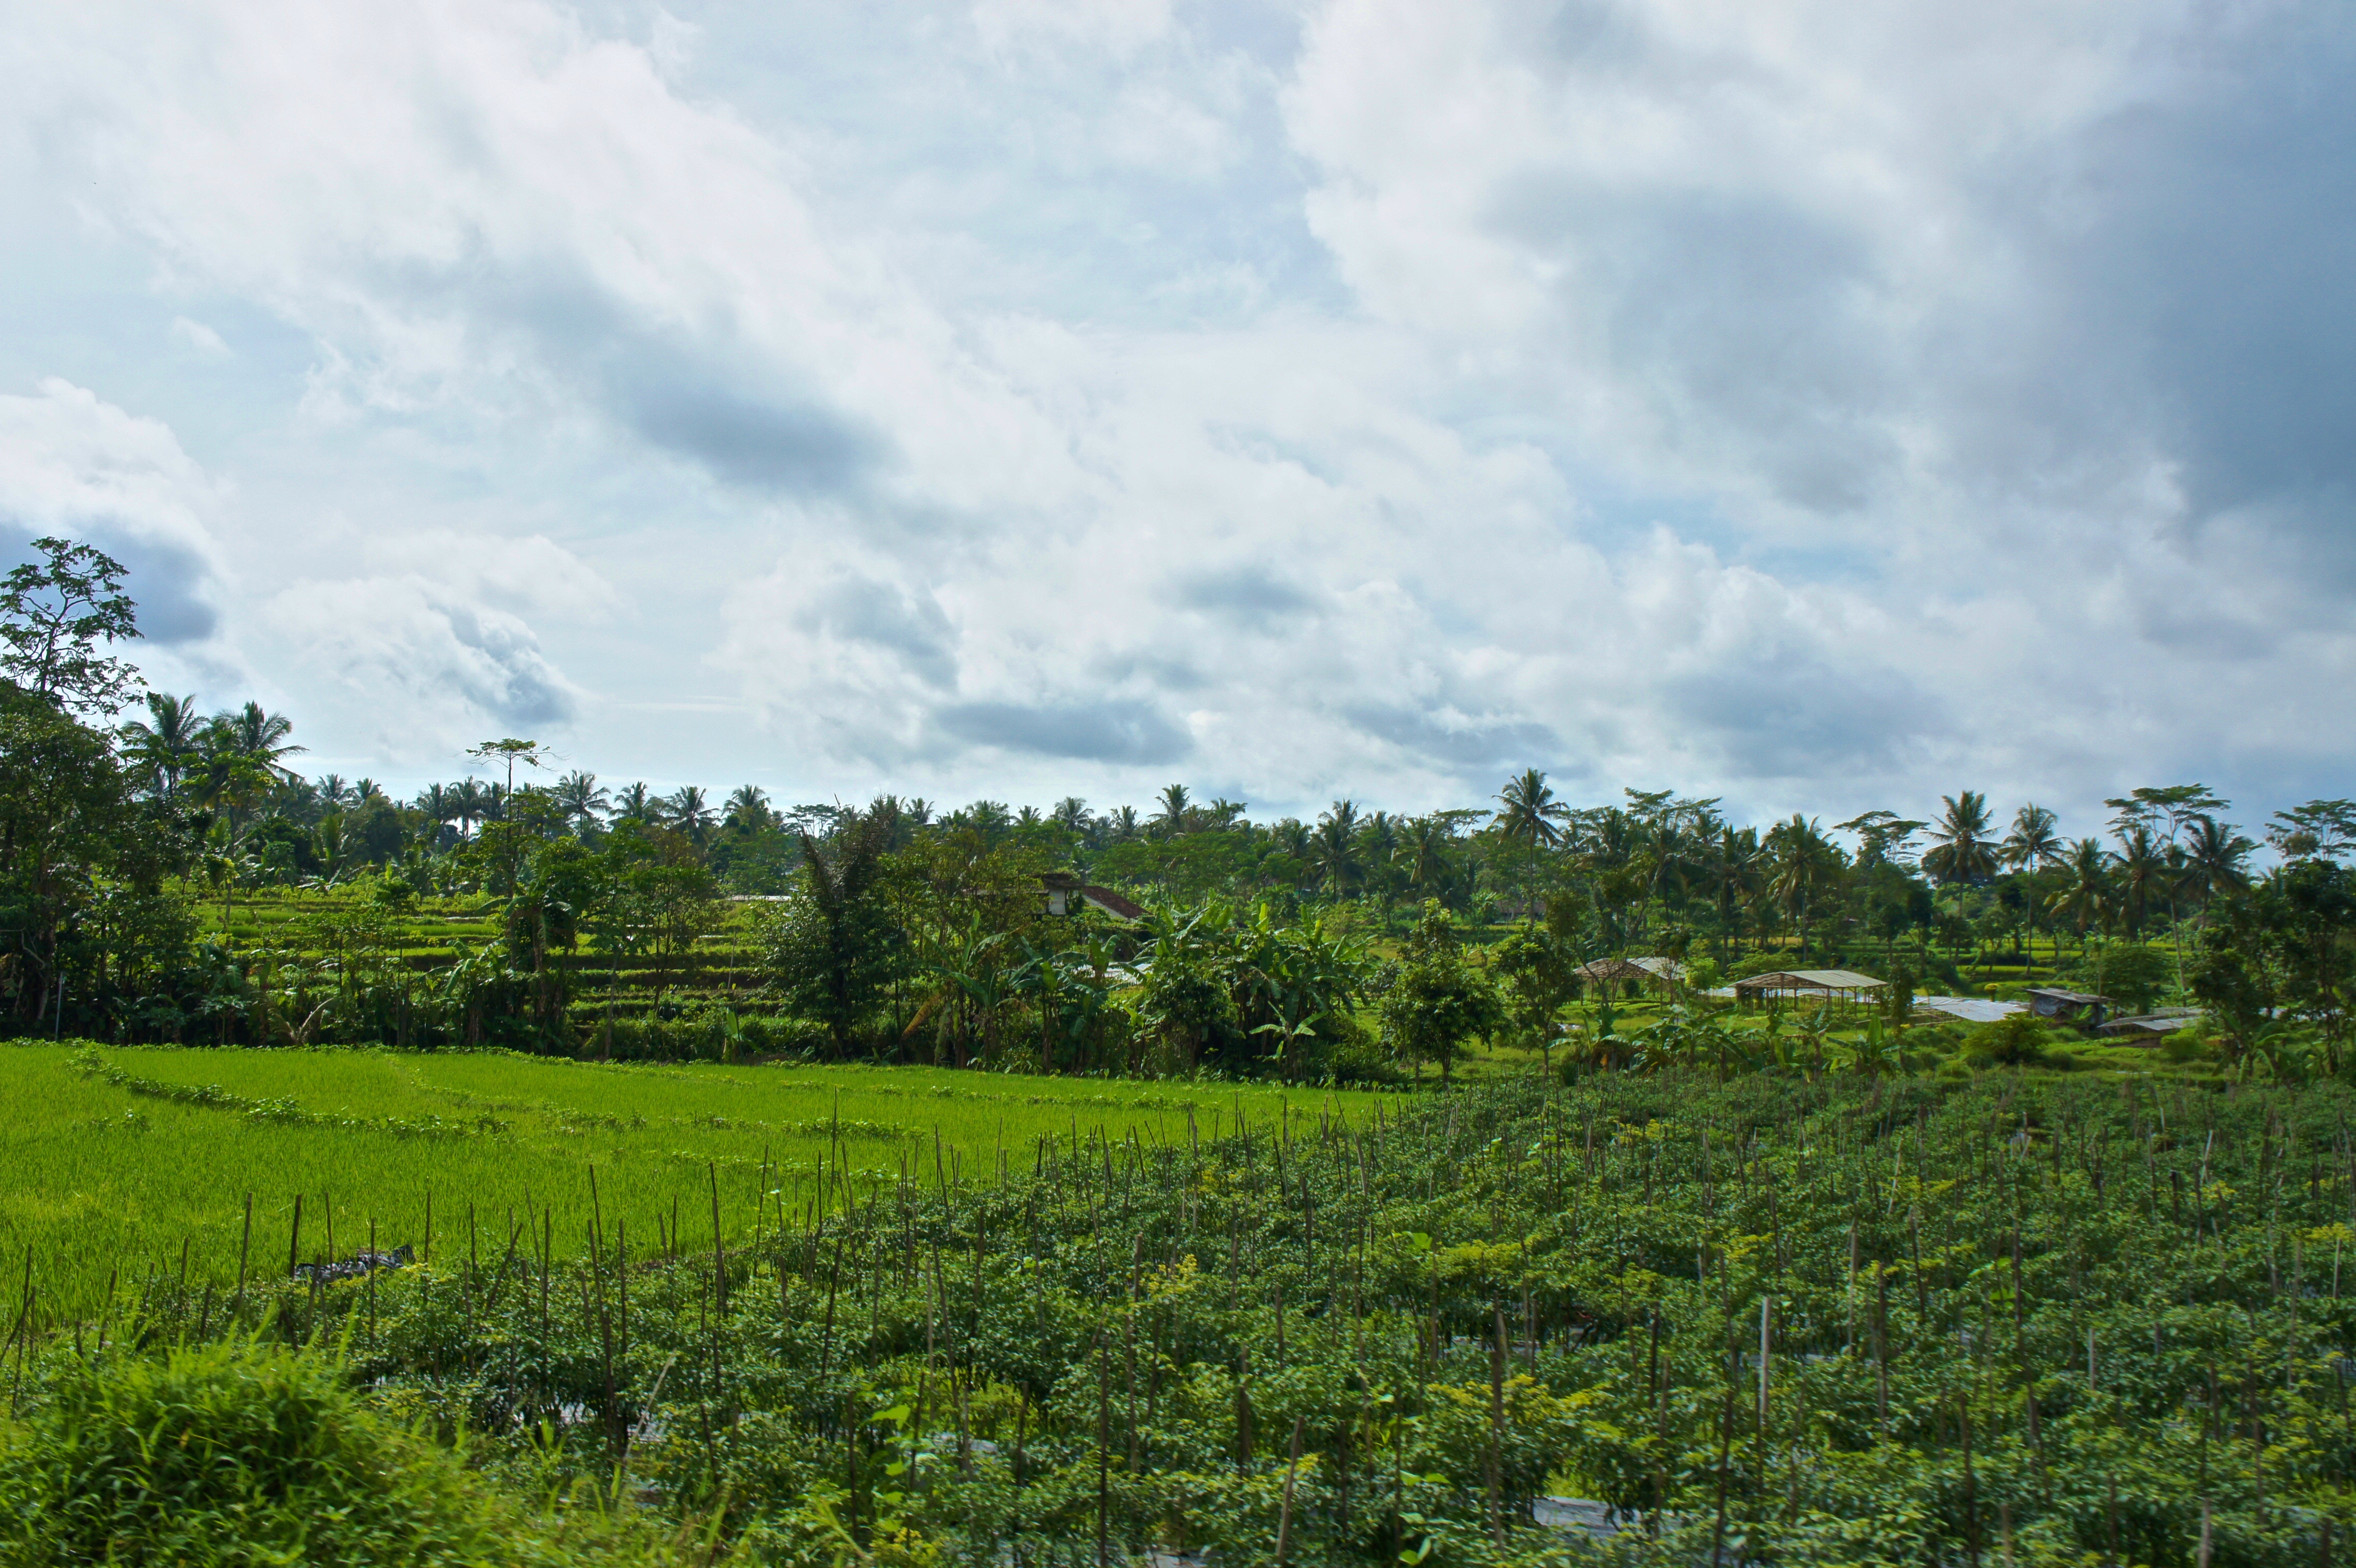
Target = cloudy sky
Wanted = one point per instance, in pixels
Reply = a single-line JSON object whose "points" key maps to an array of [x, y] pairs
{"points": [[1820, 405]]}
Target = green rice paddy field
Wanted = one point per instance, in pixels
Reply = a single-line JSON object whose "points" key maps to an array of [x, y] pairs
{"points": [[116, 1161]]}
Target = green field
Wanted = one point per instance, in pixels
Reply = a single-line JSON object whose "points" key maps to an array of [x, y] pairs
{"points": [[116, 1178]]}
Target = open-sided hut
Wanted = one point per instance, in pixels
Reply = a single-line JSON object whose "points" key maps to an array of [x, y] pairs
{"points": [[1842, 986]]}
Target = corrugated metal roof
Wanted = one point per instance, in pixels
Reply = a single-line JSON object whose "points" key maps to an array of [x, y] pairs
{"points": [[1810, 979], [1972, 1009]]}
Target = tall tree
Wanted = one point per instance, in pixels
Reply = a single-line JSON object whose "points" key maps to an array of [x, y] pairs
{"points": [[161, 748], [57, 618], [1962, 850], [580, 797], [835, 946], [1528, 812]]}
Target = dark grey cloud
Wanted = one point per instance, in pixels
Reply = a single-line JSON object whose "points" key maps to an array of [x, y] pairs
{"points": [[170, 582], [2224, 266], [1781, 717], [910, 627], [506, 677], [1116, 730], [1734, 305], [744, 436], [1486, 741], [1248, 597]]}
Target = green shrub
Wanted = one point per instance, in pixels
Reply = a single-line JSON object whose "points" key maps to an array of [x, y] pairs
{"points": [[2017, 1039], [236, 1455]]}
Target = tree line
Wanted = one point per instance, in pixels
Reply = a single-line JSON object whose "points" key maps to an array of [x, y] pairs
{"points": [[1360, 944]]}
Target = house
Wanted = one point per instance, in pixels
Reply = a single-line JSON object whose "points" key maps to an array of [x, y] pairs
{"points": [[2079, 1007], [1067, 894]]}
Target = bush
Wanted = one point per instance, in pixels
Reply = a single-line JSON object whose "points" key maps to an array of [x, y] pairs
{"points": [[237, 1454], [2017, 1039]]}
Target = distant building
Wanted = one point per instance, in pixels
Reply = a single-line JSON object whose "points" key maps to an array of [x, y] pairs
{"points": [[1810, 984], [2150, 1028], [2079, 1007]]}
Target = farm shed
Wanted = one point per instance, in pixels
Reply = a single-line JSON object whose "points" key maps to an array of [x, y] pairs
{"points": [[2051, 1002], [2150, 1028], [1837, 985]]}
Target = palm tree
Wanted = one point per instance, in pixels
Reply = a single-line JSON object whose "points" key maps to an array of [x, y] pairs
{"points": [[1175, 804], [747, 809], [470, 803], [1226, 813], [1962, 850], [333, 790], [2033, 844], [1529, 812], [2217, 859], [1430, 863], [438, 802], [252, 732], [2087, 896], [1071, 814], [2143, 868], [1123, 824], [637, 801], [160, 748], [1802, 861], [364, 790], [1732, 873], [686, 810], [580, 797], [2032, 847], [1334, 849]]}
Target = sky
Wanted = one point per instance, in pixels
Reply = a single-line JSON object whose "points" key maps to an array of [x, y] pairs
{"points": [[1817, 406]]}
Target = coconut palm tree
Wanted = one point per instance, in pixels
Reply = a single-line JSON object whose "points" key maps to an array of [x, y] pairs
{"points": [[637, 801], [580, 797], [685, 811], [1175, 803], [1071, 814], [252, 732], [1429, 852], [1961, 849], [1123, 824], [747, 809], [1335, 850], [470, 803], [2086, 898], [161, 747], [1227, 814], [1802, 863], [2145, 873], [2033, 844], [2216, 859], [1733, 872], [1528, 812]]}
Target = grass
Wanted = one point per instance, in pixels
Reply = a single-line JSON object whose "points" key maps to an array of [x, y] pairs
{"points": [[105, 1178]]}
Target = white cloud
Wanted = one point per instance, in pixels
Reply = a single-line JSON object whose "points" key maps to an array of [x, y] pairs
{"points": [[197, 336]]}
